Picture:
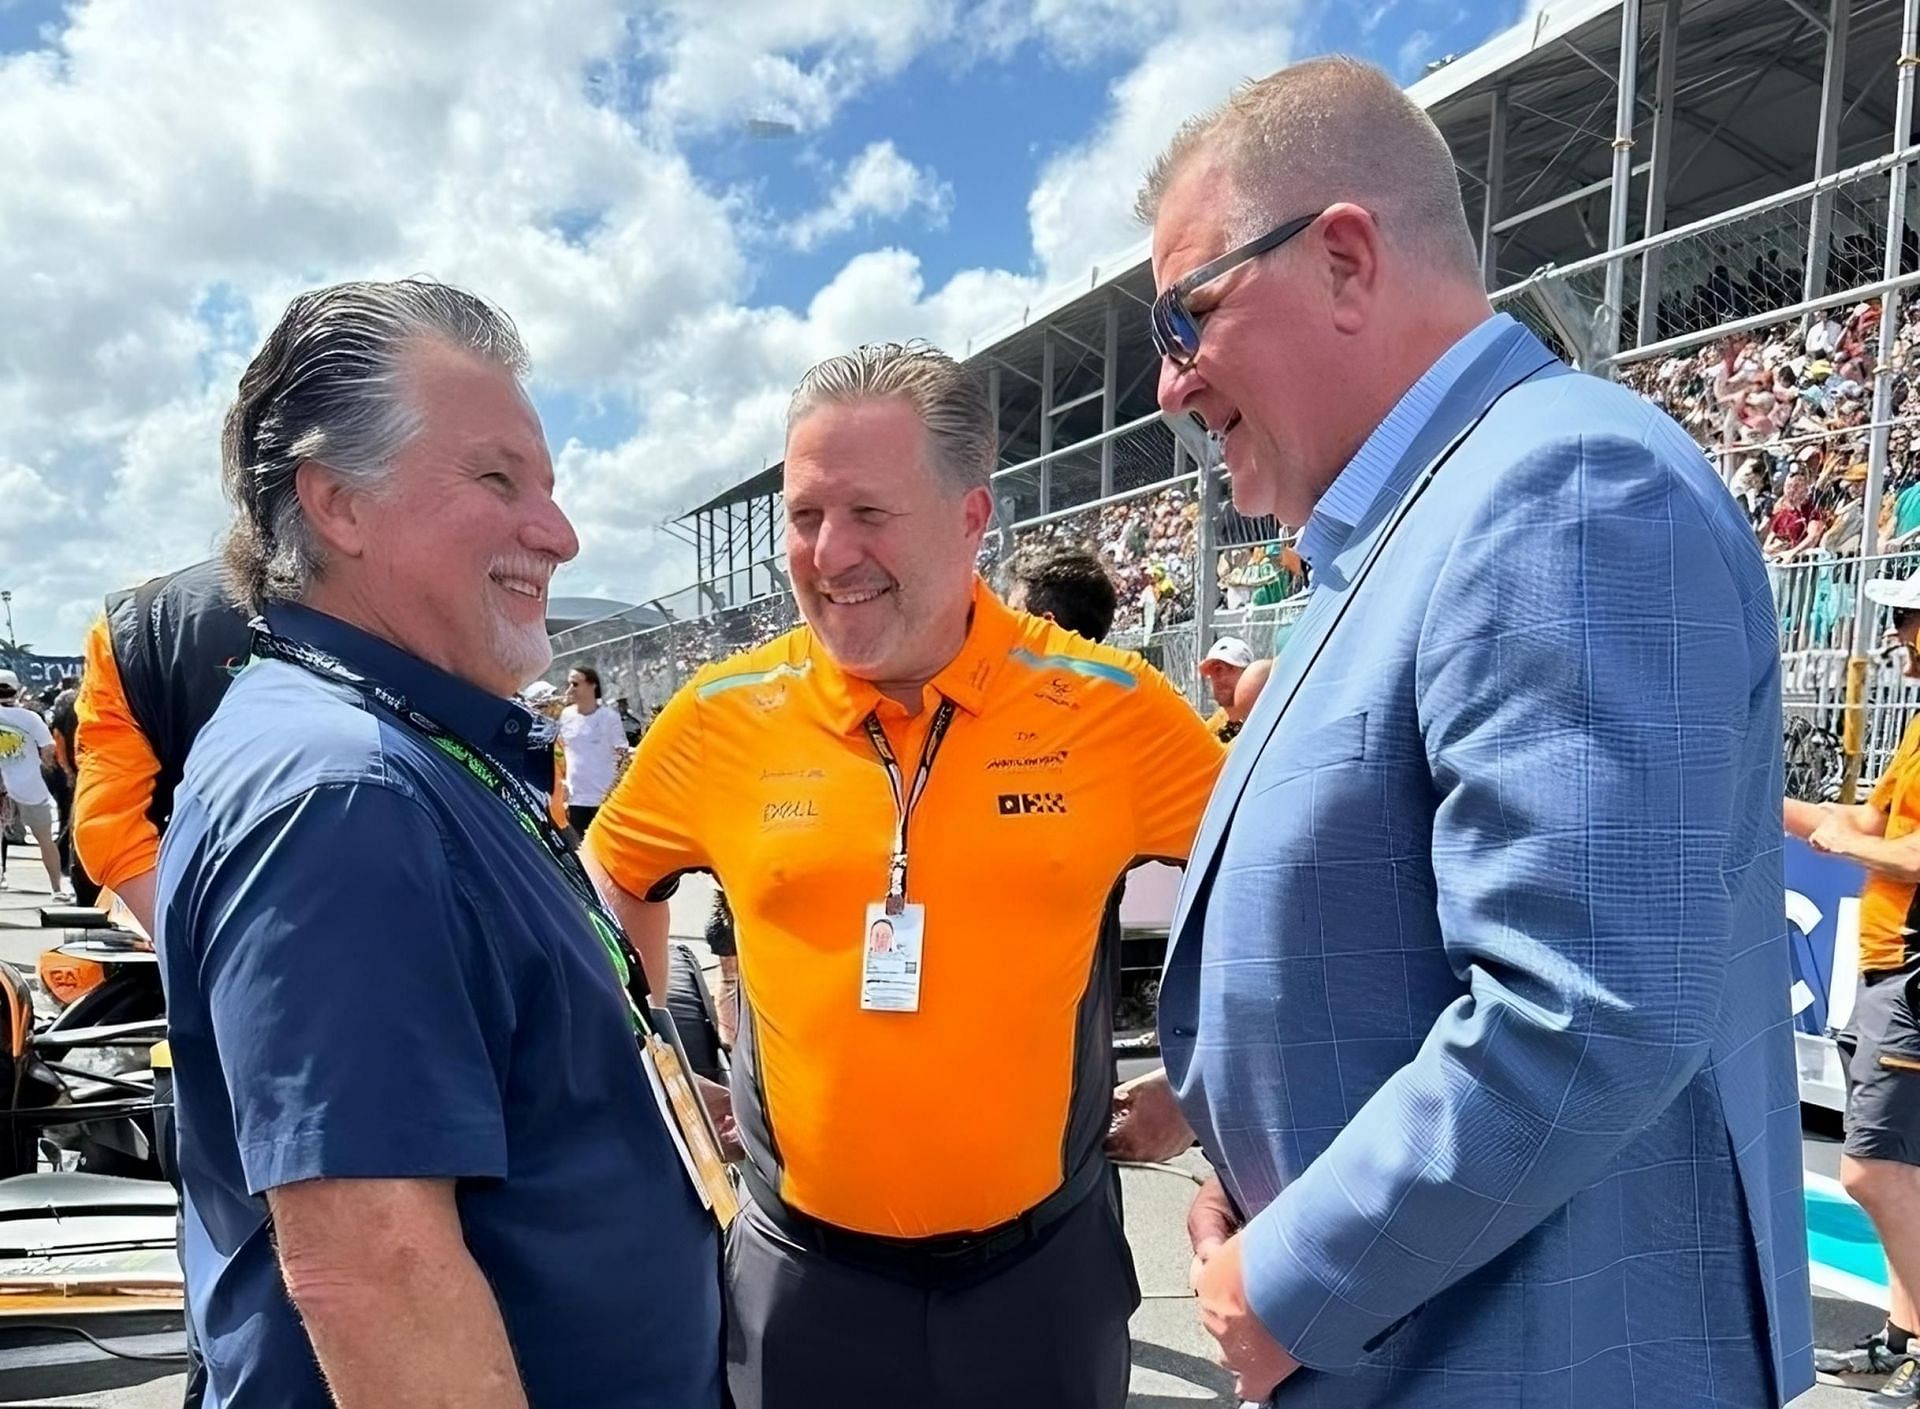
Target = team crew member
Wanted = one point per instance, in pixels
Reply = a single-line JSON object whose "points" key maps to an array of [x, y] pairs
{"points": [[1880, 1165], [595, 744], [158, 663], [920, 754], [1221, 671]]}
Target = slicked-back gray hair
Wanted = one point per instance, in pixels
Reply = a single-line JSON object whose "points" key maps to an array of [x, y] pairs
{"points": [[1324, 131], [328, 385], [950, 401]]}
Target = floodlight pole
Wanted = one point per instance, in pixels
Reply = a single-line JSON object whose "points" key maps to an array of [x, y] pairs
{"points": [[1853, 741], [1622, 177]]}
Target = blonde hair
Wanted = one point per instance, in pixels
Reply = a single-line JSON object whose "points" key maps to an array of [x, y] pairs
{"points": [[1321, 132], [949, 400]]}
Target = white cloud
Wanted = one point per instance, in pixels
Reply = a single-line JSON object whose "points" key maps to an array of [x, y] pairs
{"points": [[1081, 211], [879, 184], [180, 170], [1415, 53], [718, 413], [791, 61]]}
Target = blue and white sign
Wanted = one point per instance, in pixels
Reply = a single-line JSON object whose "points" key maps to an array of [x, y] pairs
{"points": [[1823, 919]]}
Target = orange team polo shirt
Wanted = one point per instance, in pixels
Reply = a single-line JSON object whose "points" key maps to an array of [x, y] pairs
{"points": [[1066, 763], [113, 826], [1889, 916]]}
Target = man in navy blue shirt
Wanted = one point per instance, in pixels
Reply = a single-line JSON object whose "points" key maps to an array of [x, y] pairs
{"points": [[422, 1160]]}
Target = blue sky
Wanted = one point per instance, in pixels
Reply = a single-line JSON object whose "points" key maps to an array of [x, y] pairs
{"points": [[179, 170]]}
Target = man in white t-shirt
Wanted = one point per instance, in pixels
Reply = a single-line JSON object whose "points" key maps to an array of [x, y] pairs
{"points": [[594, 744], [26, 746]]}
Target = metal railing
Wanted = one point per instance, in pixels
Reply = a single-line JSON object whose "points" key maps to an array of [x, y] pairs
{"points": [[647, 666], [1817, 600], [1742, 267], [1768, 366]]}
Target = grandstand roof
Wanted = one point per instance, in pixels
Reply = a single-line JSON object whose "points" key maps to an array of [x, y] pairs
{"points": [[764, 483], [1747, 97], [1747, 94]]}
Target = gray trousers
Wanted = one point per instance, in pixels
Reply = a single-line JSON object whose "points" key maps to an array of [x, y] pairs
{"points": [[1043, 1325]]}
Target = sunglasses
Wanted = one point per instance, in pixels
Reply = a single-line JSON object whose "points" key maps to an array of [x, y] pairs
{"points": [[1176, 331]]}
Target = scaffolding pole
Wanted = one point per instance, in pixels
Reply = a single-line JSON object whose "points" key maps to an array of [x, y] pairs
{"points": [[1622, 175], [1206, 572], [1827, 148], [1109, 392], [1046, 419], [1663, 99], [1496, 178], [1852, 741]]}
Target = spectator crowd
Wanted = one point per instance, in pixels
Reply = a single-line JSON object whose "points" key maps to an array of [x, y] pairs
{"points": [[1787, 412]]}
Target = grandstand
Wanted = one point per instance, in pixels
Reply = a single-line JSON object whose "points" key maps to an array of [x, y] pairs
{"points": [[1703, 198]]}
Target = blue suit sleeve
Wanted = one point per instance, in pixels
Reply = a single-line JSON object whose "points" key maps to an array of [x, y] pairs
{"points": [[1583, 687], [359, 1012]]}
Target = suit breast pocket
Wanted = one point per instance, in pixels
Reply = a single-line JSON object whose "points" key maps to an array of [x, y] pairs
{"points": [[1294, 754]]}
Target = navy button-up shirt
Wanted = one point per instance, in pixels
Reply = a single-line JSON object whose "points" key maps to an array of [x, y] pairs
{"points": [[372, 971]]}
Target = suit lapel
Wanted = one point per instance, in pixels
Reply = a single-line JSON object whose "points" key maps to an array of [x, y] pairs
{"points": [[1508, 361]]}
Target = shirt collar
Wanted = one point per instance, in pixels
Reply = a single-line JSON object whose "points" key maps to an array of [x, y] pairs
{"points": [[502, 728], [965, 680], [1347, 500]]}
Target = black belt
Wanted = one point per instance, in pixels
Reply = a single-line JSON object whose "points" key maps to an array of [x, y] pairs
{"points": [[926, 1258]]}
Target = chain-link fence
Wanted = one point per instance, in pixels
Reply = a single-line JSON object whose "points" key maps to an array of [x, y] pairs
{"points": [[1816, 595], [1782, 403], [1136, 456], [647, 666], [1818, 241]]}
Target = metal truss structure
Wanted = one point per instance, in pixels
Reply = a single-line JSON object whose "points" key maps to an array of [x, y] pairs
{"points": [[1646, 177]]}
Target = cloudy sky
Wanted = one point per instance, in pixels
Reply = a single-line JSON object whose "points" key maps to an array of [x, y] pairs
{"points": [[176, 169]]}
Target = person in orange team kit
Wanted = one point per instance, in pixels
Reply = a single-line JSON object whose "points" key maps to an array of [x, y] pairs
{"points": [[1880, 1047], [917, 755], [158, 663]]}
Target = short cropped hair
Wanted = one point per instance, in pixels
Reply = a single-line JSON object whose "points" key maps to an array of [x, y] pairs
{"points": [[950, 401], [1318, 133], [1068, 583]]}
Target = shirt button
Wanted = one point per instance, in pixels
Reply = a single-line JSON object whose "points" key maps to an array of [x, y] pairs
{"points": [[513, 726], [1183, 1032]]}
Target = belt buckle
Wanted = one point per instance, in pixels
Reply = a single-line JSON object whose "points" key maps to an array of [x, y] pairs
{"points": [[984, 1246]]}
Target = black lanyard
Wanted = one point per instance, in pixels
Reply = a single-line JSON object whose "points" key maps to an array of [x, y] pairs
{"points": [[904, 801], [527, 806]]}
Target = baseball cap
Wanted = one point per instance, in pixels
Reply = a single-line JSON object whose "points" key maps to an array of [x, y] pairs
{"points": [[538, 693], [9, 682], [1900, 593], [1229, 650]]}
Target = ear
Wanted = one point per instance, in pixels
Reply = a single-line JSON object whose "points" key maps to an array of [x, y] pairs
{"points": [[1354, 264], [335, 511], [978, 510]]}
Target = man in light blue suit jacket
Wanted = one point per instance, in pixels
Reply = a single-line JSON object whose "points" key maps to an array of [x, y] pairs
{"points": [[1478, 990]]}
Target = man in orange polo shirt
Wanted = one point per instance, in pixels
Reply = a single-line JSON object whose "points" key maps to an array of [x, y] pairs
{"points": [[932, 1219], [1880, 1048]]}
